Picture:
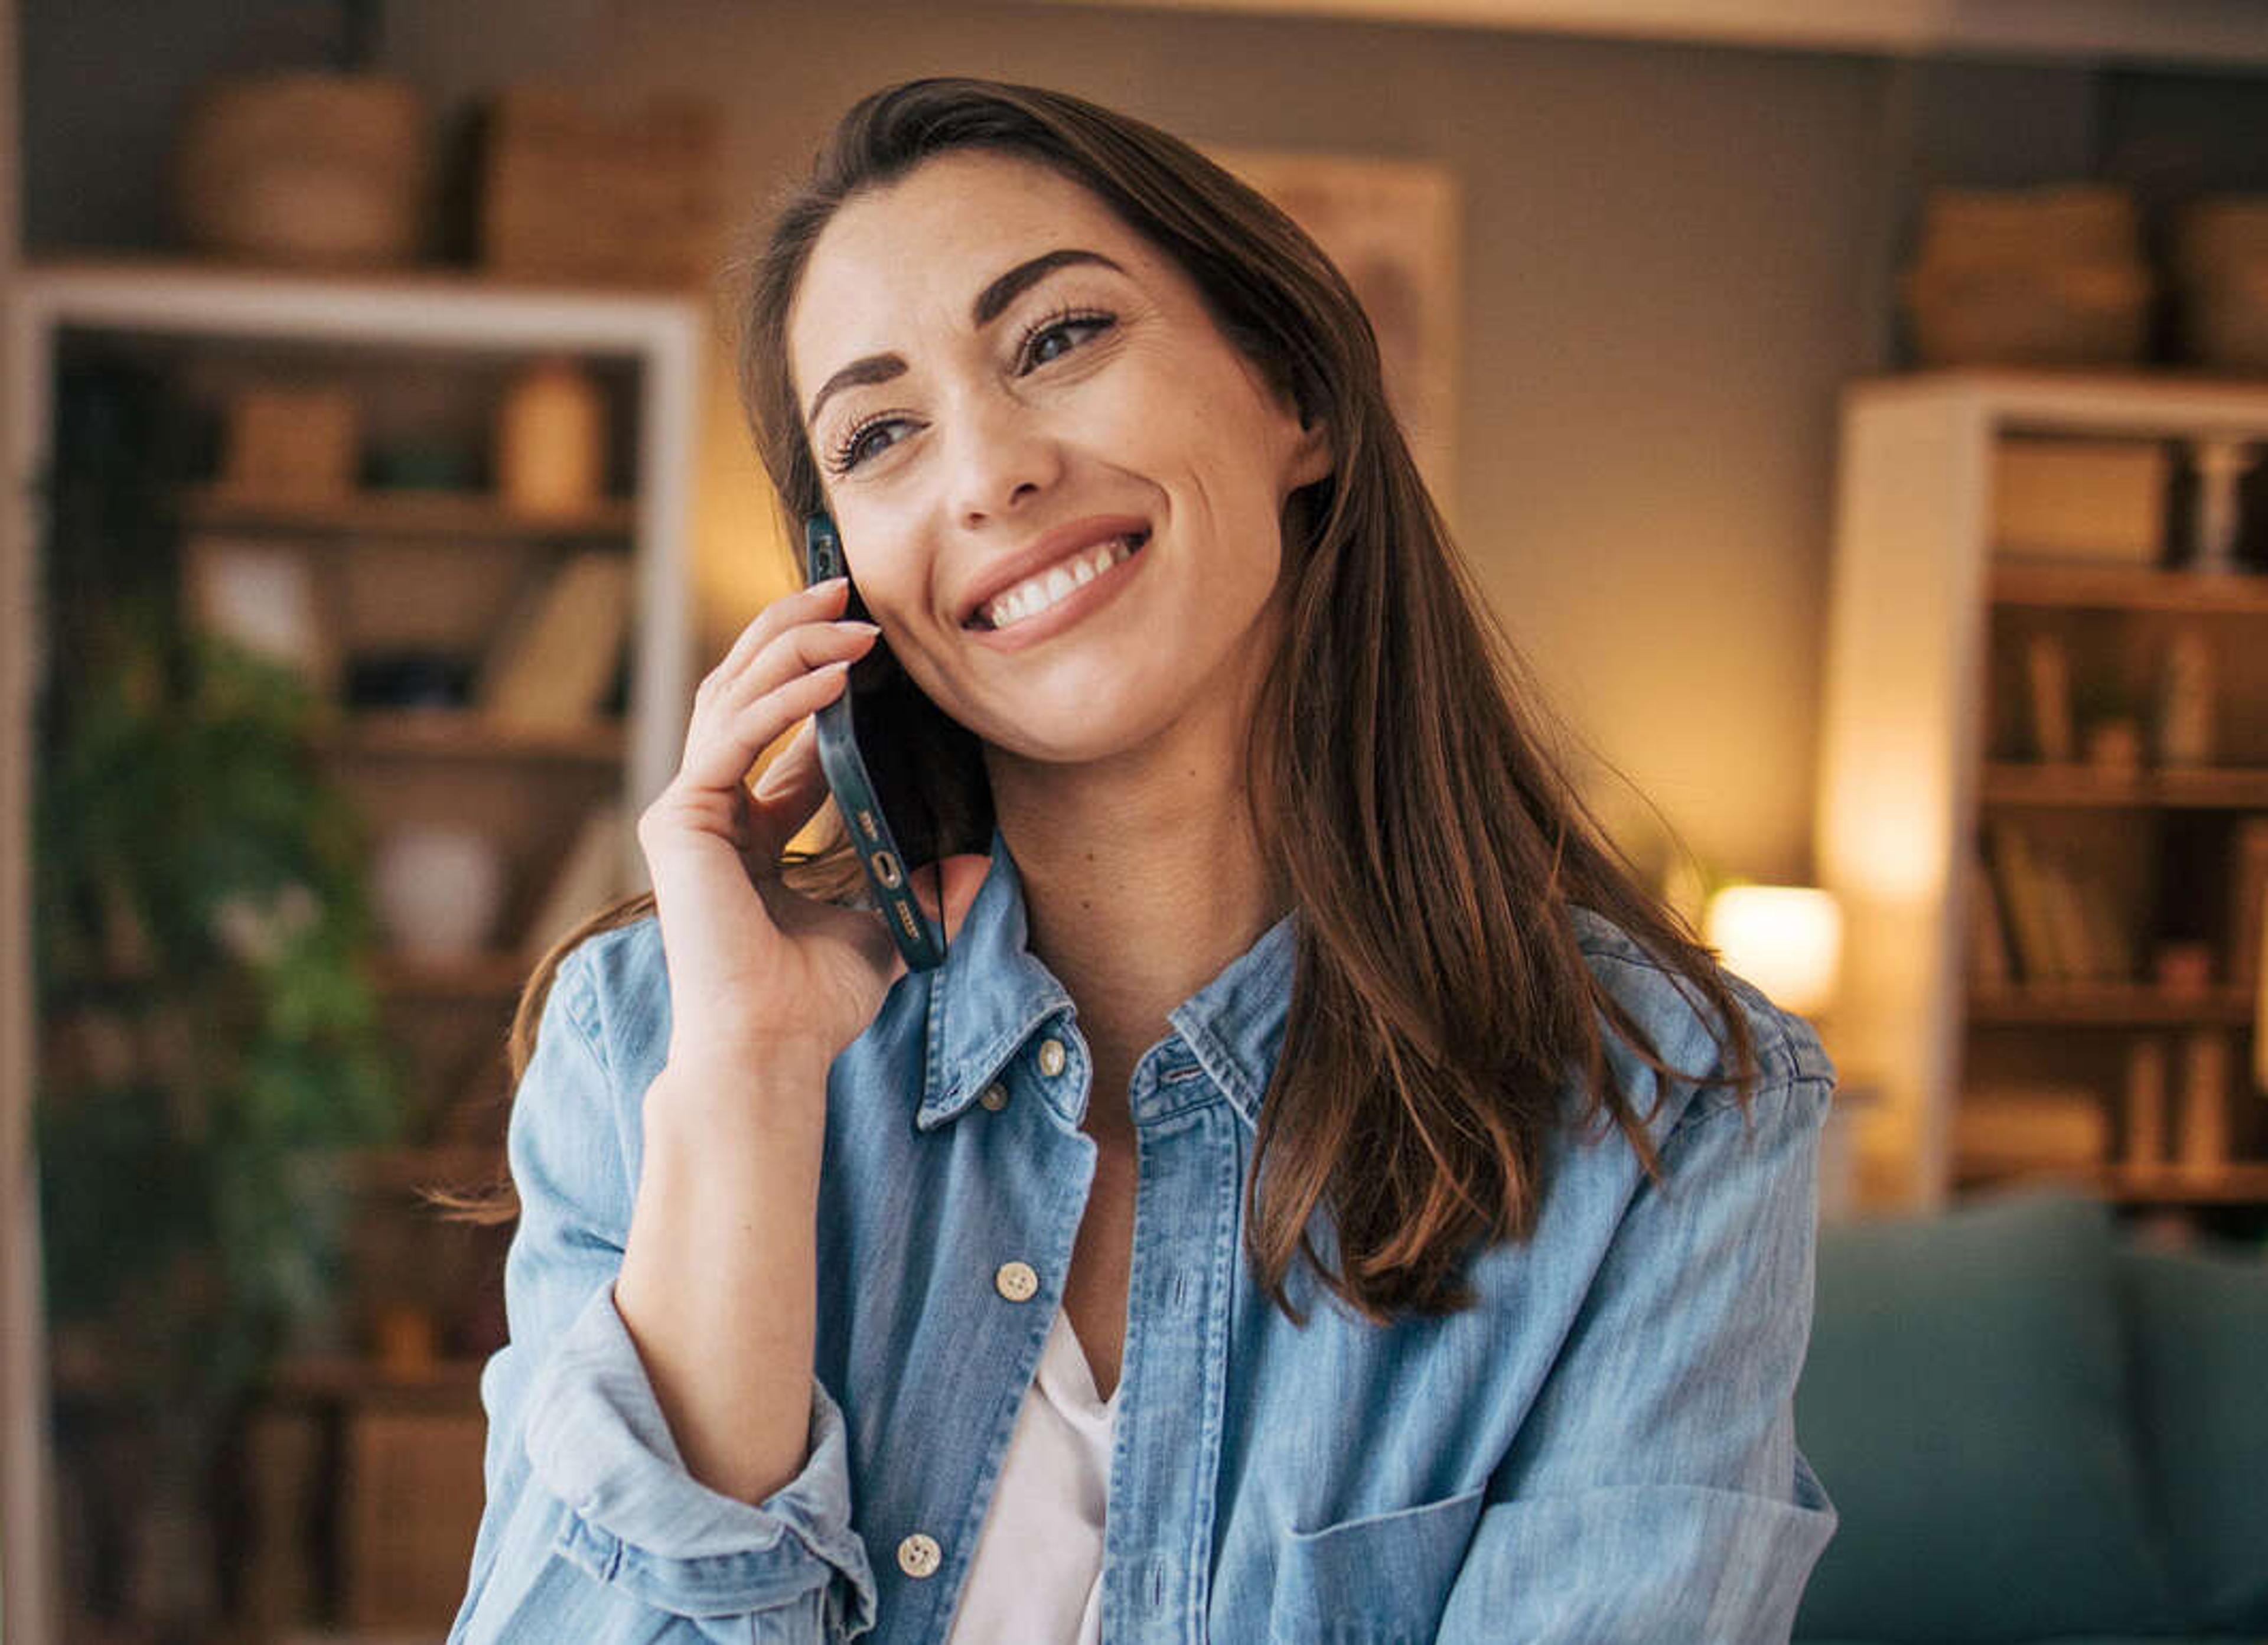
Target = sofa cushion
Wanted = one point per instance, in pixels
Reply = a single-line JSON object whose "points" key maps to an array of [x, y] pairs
{"points": [[2200, 1323], [1965, 1402]]}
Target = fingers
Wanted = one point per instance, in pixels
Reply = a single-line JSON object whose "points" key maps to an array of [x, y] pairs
{"points": [[813, 604], [726, 737], [792, 651], [786, 796]]}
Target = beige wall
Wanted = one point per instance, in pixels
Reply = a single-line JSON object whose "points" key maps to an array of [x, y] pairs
{"points": [[1666, 276]]}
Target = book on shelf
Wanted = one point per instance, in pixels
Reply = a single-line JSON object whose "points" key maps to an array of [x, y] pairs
{"points": [[2145, 1099], [2110, 949], [2064, 923], [2248, 878], [2204, 1141], [2036, 939], [554, 661], [2047, 676], [2247, 933], [1989, 963]]}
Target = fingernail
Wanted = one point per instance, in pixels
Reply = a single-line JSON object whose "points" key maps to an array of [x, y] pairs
{"points": [[857, 627], [828, 585]]}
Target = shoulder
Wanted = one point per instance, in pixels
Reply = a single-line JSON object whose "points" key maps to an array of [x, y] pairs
{"points": [[1687, 1029], [614, 985]]}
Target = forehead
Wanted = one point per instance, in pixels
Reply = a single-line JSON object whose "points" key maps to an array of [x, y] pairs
{"points": [[914, 251]]}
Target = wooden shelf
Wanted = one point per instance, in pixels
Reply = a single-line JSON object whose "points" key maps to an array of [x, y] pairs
{"points": [[2126, 588], [2231, 787], [2108, 1005], [403, 513], [487, 976], [463, 733]]}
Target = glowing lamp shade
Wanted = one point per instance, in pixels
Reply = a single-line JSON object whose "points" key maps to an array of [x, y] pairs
{"points": [[1787, 940]]}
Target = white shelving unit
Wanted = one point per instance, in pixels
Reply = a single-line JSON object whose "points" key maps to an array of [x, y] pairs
{"points": [[1902, 770], [653, 341]]}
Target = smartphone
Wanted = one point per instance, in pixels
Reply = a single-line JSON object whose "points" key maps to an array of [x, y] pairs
{"points": [[858, 794]]}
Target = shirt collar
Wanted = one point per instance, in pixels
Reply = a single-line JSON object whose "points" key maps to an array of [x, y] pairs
{"points": [[992, 994]]}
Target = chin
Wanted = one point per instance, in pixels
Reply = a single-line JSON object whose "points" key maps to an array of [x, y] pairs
{"points": [[1073, 730]]}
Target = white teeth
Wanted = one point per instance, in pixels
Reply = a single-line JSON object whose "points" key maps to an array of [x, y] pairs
{"points": [[1029, 598]]}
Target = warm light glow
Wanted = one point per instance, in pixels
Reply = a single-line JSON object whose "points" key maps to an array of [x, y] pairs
{"points": [[1787, 940]]}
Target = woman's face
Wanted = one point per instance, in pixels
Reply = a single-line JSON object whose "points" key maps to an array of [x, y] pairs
{"points": [[1007, 390]]}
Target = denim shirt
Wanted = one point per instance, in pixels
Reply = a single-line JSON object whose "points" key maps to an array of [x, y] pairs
{"points": [[1602, 1450]]}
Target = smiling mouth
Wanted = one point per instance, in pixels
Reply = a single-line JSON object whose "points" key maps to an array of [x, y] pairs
{"points": [[1036, 594]]}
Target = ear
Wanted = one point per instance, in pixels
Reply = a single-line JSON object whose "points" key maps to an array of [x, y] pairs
{"points": [[1312, 457]]}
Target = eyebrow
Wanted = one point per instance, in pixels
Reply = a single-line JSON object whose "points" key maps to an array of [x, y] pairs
{"points": [[991, 303]]}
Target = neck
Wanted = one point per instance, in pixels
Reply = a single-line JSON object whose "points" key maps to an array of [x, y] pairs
{"points": [[1142, 881]]}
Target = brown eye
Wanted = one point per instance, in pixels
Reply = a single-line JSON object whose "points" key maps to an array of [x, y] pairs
{"points": [[1068, 329]]}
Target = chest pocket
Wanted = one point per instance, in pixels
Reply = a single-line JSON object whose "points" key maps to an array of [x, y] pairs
{"points": [[1382, 1579]]}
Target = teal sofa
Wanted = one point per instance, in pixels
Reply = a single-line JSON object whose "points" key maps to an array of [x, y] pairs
{"points": [[2036, 1430]]}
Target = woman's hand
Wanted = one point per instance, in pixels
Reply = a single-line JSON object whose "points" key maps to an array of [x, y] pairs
{"points": [[756, 968]]}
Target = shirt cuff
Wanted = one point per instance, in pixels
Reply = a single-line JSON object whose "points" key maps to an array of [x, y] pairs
{"points": [[598, 1441]]}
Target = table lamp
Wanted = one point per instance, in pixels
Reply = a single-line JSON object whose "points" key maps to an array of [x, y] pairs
{"points": [[1787, 940]]}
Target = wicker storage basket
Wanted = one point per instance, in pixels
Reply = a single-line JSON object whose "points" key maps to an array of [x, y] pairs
{"points": [[2227, 325], [2083, 223], [2220, 253], [2075, 314], [2034, 277], [570, 191], [304, 168]]}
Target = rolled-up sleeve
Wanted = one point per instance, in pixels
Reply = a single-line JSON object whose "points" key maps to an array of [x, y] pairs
{"points": [[593, 1528], [1656, 1493]]}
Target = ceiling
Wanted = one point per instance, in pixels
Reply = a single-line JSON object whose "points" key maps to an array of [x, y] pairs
{"points": [[2229, 32]]}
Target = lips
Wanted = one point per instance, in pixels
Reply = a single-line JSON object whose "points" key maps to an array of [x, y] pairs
{"points": [[1051, 550]]}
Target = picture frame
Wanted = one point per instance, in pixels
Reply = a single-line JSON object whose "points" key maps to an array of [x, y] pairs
{"points": [[1392, 227]]}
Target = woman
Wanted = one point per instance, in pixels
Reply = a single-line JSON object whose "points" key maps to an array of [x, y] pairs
{"points": [[1321, 1196]]}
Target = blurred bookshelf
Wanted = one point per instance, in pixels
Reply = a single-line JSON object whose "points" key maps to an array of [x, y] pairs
{"points": [[2043, 790], [357, 1482], [464, 516]]}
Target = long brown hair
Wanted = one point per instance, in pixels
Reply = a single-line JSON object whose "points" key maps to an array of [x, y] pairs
{"points": [[1401, 784]]}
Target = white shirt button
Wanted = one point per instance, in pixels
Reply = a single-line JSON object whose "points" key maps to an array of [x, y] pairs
{"points": [[917, 1555], [1051, 1057], [1016, 1281], [995, 1097]]}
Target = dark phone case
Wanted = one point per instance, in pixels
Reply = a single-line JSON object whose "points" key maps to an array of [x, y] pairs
{"points": [[917, 935]]}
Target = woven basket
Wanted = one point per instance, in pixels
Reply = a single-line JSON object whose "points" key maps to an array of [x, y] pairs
{"points": [[305, 169], [592, 192], [2064, 223], [2226, 324], [2068, 315], [2218, 239]]}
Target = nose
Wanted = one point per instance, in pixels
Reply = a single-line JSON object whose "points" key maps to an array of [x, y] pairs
{"points": [[1003, 457]]}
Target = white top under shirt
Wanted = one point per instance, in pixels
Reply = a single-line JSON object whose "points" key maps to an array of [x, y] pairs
{"points": [[1037, 1574]]}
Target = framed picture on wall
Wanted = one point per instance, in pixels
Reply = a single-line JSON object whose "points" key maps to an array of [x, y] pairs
{"points": [[1391, 226]]}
